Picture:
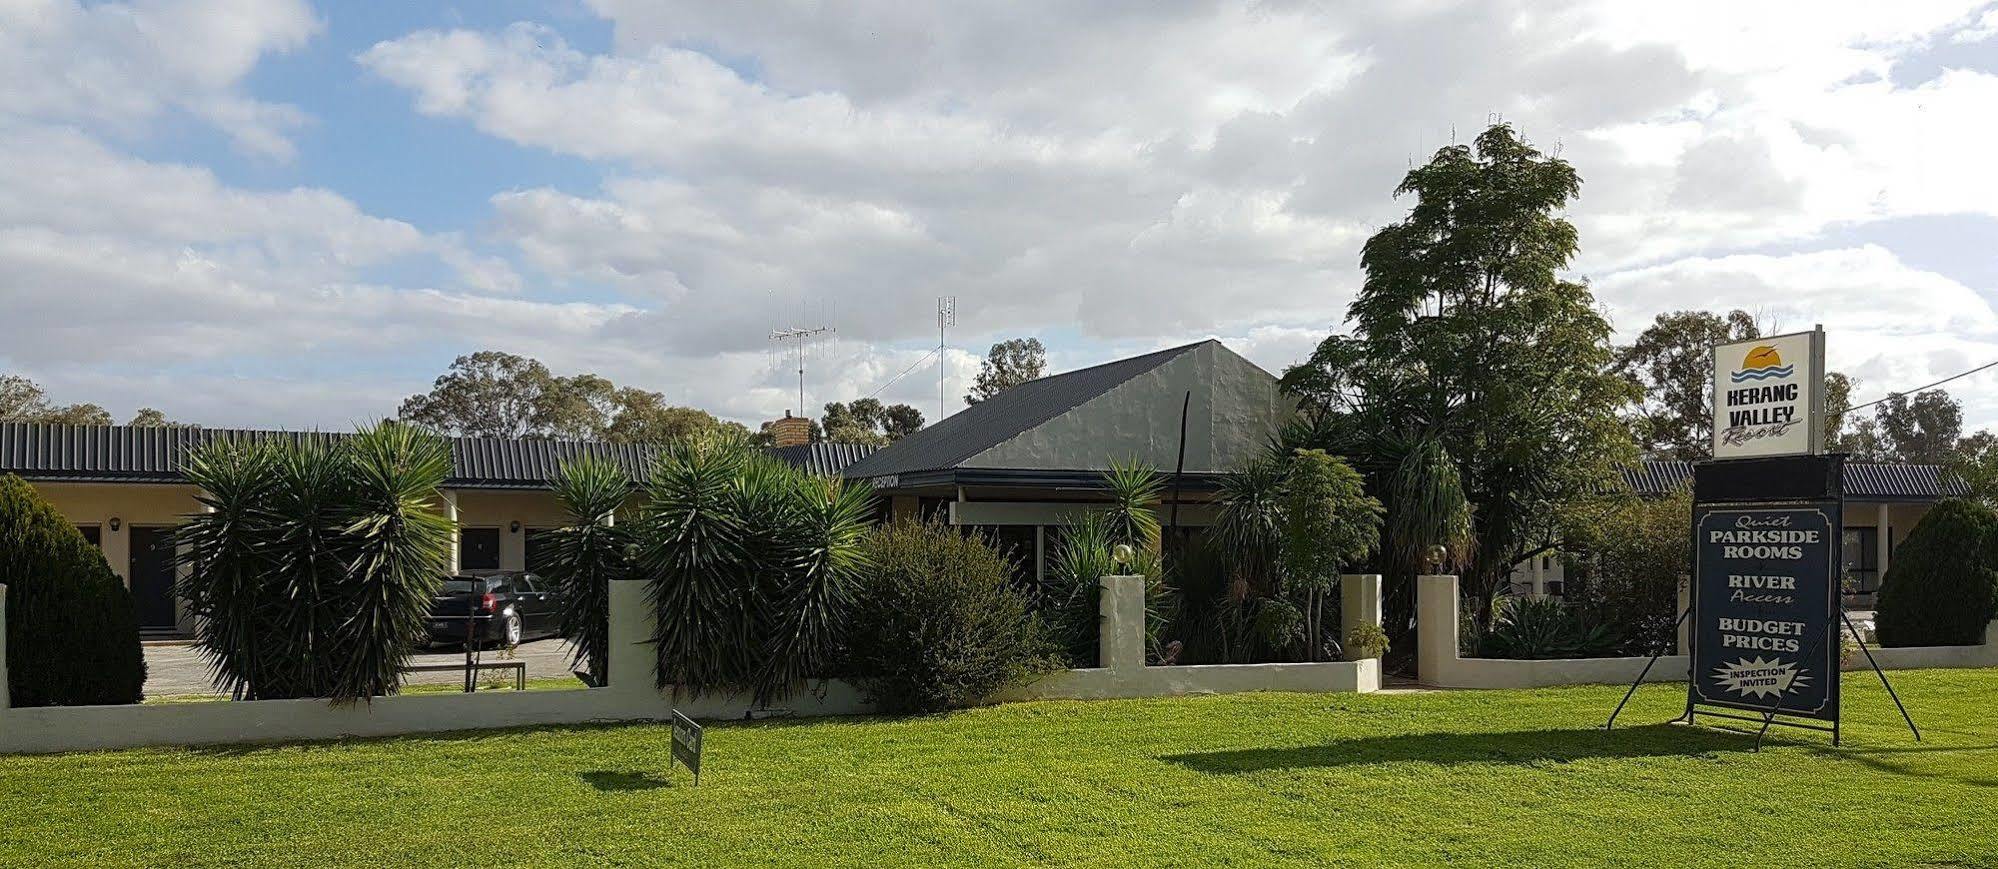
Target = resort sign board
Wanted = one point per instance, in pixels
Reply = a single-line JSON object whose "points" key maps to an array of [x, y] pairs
{"points": [[1768, 396], [1765, 601]]}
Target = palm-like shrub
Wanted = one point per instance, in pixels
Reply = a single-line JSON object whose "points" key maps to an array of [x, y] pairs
{"points": [[72, 634], [1134, 489], [585, 556], [752, 566], [939, 625], [312, 570], [1942, 587]]}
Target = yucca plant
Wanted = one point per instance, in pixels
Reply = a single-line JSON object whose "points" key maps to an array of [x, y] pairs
{"points": [[1134, 499], [752, 566], [1250, 527], [826, 567], [585, 556], [694, 552], [397, 548], [312, 569]]}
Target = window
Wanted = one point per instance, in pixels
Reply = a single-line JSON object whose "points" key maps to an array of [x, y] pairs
{"points": [[478, 549], [92, 533], [1860, 552]]}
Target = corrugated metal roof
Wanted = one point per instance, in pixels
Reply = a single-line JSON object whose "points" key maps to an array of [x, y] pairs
{"points": [[823, 458], [995, 420], [1864, 481], [106, 454]]}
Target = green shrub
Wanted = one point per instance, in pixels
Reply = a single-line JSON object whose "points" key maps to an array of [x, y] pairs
{"points": [[939, 625], [1542, 628], [72, 633], [1366, 641], [1941, 589], [1625, 557], [584, 556]]}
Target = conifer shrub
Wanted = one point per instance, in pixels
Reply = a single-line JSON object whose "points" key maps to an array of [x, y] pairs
{"points": [[1941, 588], [72, 633]]}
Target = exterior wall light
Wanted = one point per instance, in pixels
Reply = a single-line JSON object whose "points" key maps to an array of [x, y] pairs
{"points": [[515, 527], [113, 523]]}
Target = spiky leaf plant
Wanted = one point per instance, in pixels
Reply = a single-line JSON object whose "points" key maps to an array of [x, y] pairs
{"points": [[312, 568], [1134, 499], [826, 565], [397, 547], [694, 552], [585, 556]]}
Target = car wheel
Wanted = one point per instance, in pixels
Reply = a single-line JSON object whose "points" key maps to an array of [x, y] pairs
{"points": [[512, 629]]}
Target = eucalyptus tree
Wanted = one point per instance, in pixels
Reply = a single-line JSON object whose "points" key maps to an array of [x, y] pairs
{"points": [[1472, 358]]}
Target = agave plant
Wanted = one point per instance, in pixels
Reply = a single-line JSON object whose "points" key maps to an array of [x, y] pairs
{"points": [[585, 556]]}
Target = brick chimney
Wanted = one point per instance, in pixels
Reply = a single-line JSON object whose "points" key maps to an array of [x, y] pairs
{"points": [[791, 431]]}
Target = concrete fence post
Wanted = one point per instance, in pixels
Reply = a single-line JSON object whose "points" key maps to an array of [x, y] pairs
{"points": [[1120, 641], [634, 664], [1359, 602], [4, 701], [1436, 620]]}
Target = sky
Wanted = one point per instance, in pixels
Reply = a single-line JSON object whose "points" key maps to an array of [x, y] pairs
{"points": [[269, 213]]}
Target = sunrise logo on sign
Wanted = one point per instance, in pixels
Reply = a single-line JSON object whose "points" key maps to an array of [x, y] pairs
{"points": [[1762, 363]]}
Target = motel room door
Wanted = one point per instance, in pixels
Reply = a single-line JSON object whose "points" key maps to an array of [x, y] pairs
{"points": [[152, 578]]}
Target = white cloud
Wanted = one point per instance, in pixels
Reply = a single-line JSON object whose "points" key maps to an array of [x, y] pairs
{"points": [[124, 64]]}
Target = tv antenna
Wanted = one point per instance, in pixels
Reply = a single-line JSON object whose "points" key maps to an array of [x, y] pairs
{"points": [[946, 317], [800, 337]]}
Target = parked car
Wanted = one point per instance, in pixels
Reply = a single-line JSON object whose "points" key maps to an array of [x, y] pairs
{"points": [[505, 607]]}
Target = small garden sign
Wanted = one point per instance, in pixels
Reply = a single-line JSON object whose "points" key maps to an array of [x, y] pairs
{"points": [[687, 744]]}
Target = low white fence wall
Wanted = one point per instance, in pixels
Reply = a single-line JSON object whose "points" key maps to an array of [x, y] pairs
{"points": [[1438, 663], [631, 695]]}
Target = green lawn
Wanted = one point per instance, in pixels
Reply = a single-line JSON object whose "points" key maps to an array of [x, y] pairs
{"points": [[1480, 778]]}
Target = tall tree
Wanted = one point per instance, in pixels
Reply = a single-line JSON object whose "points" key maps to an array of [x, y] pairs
{"points": [[1475, 362], [495, 394], [868, 421], [1672, 362], [485, 394], [645, 417], [23, 400], [1008, 364], [1924, 429], [148, 417]]}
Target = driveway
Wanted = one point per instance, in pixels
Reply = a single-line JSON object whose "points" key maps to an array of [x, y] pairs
{"points": [[177, 669]]}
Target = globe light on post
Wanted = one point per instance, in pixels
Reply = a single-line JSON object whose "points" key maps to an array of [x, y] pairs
{"points": [[1435, 558], [1123, 554]]}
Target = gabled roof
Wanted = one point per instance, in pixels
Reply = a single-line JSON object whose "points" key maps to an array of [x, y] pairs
{"points": [[1000, 418], [1864, 481], [144, 454]]}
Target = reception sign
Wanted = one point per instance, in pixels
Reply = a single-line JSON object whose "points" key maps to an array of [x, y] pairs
{"points": [[1768, 396], [1765, 599]]}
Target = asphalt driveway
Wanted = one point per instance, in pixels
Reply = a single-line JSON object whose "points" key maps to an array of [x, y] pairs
{"points": [[177, 669]]}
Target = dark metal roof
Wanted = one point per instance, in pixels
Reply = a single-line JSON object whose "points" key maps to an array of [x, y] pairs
{"points": [[823, 458], [155, 454], [1864, 481], [995, 420]]}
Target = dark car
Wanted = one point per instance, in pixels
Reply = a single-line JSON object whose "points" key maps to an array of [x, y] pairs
{"points": [[504, 607]]}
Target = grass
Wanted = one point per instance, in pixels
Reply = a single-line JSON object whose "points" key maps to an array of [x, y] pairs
{"points": [[1479, 778]]}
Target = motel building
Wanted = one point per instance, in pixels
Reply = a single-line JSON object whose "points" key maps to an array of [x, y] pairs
{"points": [[1020, 468]]}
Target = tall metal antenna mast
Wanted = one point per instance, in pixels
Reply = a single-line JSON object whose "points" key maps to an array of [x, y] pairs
{"points": [[946, 316], [800, 336]]}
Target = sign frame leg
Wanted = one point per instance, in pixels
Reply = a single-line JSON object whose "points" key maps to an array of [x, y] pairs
{"points": [[1861, 641], [1683, 615]]}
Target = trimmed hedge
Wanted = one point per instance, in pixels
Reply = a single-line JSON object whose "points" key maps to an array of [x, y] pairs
{"points": [[1941, 589], [72, 633]]}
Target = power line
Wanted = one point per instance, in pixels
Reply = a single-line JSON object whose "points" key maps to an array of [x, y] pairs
{"points": [[905, 373], [1923, 388]]}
